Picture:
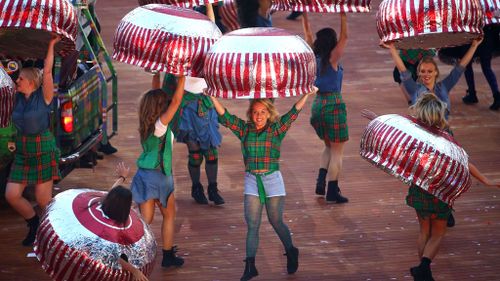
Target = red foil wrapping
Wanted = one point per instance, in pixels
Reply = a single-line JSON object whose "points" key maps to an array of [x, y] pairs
{"points": [[76, 241], [165, 38], [417, 154], [261, 62], [491, 10], [7, 91], [229, 15], [25, 27], [179, 3], [323, 6], [429, 23]]}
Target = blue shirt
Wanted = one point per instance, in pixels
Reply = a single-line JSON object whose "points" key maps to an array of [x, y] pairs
{"points": [[441, 89], [331, 80], [31, 116], [261, 21]]}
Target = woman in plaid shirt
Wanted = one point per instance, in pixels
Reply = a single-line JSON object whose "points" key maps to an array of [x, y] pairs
{"points": [[261, 138]]}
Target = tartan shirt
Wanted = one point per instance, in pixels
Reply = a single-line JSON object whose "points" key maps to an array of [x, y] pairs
{"points": [[260, 149], [413, 56]]}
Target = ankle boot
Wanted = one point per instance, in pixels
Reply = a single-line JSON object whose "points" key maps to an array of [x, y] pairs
{"points": [[250, 269], [213, 194], [292, 260], [333, 193], [496, 101], [33, 227], [470, 97], [321, 181], [451, 221], [170, 259], [198, 194]]}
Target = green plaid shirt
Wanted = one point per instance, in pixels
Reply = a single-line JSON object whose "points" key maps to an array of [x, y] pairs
{"points": [[261, 149], [413, 56]]}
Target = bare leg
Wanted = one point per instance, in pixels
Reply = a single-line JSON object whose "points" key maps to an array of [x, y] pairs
{"points": [[325, 157], [336, 155], [438, 230], [167, 225], [43, 193], [14, 195], [423, 236], [148, 210]]}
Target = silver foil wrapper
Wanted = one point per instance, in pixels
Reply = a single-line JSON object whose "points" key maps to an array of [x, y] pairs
{"points": [[179, 3], [429, 23], [416, 154], [323, 6], [76, 241]]}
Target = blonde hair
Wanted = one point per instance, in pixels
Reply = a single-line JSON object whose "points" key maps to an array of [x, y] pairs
{"points": [[427, 60], [33, 75], [430, 110], [152, 104], [273, 112]]}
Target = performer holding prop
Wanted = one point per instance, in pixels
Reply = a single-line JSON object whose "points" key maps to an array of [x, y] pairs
{"points": [[419, 151]]}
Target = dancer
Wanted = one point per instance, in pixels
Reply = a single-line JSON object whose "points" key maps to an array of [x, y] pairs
{"points": [[153, 183], [36, 160], [254, 13], [260, 140], [328, 113], [195, 124], [432, 213]]}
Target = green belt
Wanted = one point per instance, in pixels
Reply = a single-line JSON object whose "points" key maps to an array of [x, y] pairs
{"points": [[260, 185]]}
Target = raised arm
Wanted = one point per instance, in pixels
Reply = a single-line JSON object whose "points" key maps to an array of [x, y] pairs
{"points": [[470, 53], [218, 107], [48, 80], [307, 30], [338, 51], [122, 171], [155, 81], [166, 117], [395, 55], [210, 11], [474, 171], [300, 103]]}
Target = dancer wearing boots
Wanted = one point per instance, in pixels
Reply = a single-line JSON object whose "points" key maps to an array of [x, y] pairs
{"points": [[328, 113], [36, 160], [153, 184], [432, 213], [261, 138], [428, 73], [195, 124]]}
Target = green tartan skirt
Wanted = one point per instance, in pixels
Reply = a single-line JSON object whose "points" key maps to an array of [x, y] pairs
{"points": [[426, 204], [329, 117], [36, 160]]}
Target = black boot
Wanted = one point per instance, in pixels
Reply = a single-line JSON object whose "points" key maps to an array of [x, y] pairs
{"points": [[451, 221], [333, 193], [321, 181], [496, 101], [423, 271], [198, 194], [470, 97], [33, 227], [107, 149], [213, 194], [250, 269], [170, 259], [293, 15], [292, 260]]}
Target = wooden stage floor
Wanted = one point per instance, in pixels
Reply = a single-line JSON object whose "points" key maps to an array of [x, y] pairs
{"points": [[373, 237]]}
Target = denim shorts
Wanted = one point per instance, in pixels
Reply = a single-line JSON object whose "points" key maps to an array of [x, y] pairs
{"points": [[273, 184], [151, 184]]}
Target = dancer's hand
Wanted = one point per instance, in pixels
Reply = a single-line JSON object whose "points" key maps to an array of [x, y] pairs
{"points": [[122, 170], [368, 114]]}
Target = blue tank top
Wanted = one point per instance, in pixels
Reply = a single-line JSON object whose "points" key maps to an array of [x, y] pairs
{"points": [[31, 116], [331, 80], [261, 21]]}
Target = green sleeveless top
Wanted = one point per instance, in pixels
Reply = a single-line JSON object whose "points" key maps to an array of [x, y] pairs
{"points": [[150, 157]]}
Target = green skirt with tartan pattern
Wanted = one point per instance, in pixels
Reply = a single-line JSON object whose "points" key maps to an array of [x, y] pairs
{"points": [[426, 204], [329, 117]]}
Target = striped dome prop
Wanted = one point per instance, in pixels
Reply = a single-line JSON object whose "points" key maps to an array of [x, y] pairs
{"points": [[25, 27], [261, 62], [165, 38], [491, 10], [7, 91], [229, 15], [179, 3], [417, 154], [429, 23], [323, 6]]}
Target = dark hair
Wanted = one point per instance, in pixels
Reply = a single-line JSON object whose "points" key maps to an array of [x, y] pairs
{"points": [[116, 205], [247, 12], [151, 106], [326, 41]]}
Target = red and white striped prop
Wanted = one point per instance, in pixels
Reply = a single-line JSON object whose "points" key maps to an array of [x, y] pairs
{"points": [[261, 62], [491, 10], [323, 6], [429, 23], [417, 154], [76, 241], [179, 3], [165, 38], [229, 15], [25, 27], [7, 91]]}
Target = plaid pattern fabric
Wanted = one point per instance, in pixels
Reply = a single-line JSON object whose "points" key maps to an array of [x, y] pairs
{"points": [[210, 154], [413, 56], [36, 160], [329, 117], [261, 149], [426, 204]]}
